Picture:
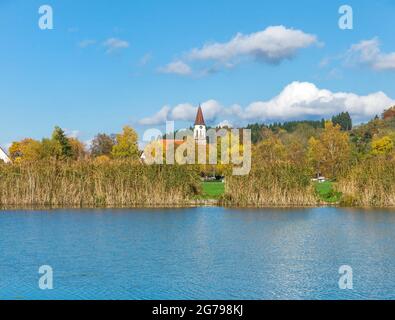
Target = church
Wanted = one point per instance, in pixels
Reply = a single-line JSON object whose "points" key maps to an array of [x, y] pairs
{"points": [[200, 130], [199, 135]]}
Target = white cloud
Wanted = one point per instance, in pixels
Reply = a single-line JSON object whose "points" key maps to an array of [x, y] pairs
{"points": [[273, 45], [86, 43], [114, 44], [72, 133], [368, 53], [177, 67], [298, 100], [88, 143], [159, 118], [145, 59], [184, 112], [224, 123], [304, 99]]}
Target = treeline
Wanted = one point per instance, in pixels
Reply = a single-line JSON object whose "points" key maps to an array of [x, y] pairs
{"points": [[343, 120], [61, 147]]}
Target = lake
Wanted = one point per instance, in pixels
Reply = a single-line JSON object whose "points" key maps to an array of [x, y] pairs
{"points": [[198, 253]]}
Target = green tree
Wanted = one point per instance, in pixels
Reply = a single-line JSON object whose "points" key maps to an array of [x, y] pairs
{"points": [[126, 144], [343, 120], [50, 149], [60, 137]]}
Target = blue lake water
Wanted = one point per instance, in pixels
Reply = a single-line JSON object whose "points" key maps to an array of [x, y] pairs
{"points": [[198, 253]]}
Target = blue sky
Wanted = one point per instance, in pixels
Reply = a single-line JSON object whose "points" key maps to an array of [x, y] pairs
{"points": [[110, 63]]}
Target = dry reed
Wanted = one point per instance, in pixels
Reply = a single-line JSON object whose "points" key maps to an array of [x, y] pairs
{"points": [[370, 183], [278, 184], [86, 184]]}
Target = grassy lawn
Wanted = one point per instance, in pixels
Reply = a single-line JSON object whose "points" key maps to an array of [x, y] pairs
{"points": [[212, 190], [327, 193]]}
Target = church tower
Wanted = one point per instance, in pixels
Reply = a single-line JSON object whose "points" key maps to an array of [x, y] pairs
{"points": [[199, 132]]}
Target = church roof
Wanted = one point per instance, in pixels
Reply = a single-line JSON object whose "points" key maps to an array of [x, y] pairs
{"points": [[199, 118]]}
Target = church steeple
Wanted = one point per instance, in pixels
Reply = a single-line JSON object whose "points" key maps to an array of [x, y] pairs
{"points": [[199, 117], [199, 131]]}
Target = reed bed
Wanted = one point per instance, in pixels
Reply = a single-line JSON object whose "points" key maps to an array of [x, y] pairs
{"points": [[369, 184], [87, 184], [279, 184]]}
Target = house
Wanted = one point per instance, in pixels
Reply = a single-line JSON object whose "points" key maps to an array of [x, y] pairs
{"points": [[165, 143], [389, 113], [4, 157]]}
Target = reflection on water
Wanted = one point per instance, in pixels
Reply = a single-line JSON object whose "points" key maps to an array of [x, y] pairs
{"points": [[198, 253]]}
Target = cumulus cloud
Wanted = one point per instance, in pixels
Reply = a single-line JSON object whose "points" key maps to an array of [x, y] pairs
{"points": [[184, 112], [177, 67], [304, 99], [298, 100], [115, 44], [368, 53], [159, 118], [273, 45]]}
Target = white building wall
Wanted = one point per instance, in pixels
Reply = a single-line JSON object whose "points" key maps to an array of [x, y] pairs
{"points": [[200, 134], [4, 156]]}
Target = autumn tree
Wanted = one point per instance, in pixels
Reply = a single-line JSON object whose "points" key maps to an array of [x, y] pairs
{"points": [[382, 146], [315, 154], [50, 149], [25, 150], [331, 152], [270, 150], [126, 144], [77, 149], [102, 145]]}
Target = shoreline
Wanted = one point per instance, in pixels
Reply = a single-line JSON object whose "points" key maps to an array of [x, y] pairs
{"points": [[195, 204]]}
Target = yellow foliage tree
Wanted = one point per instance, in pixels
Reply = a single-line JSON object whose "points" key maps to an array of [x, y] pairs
{"points": [[331, 152], [77, 148], [270, 150], [25, 150], [126, 144], [383, 146]]}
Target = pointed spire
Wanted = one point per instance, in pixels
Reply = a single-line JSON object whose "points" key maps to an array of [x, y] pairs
{"points": [[199, 117]]}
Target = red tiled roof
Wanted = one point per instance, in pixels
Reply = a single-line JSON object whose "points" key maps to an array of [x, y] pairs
{"points": [[166, 142]]}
